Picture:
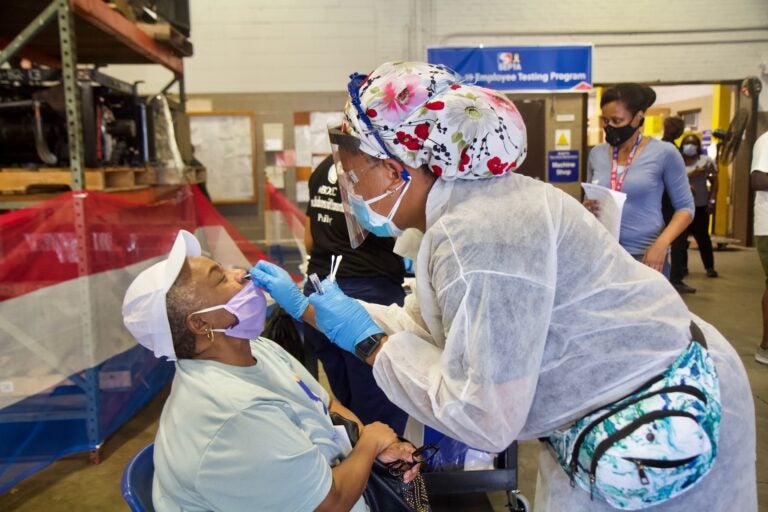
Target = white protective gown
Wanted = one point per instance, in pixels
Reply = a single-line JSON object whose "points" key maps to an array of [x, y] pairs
{"points": [[527, 314]]}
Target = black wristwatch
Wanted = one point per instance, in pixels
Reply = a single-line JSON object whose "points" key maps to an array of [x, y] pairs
{"points": [[368, 346]]}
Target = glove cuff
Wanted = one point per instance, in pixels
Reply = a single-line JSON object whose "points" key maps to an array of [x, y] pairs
{"points": [[301, 308]]}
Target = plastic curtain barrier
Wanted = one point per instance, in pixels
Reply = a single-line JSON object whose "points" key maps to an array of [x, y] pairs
{"points": [[70, 373], [284, 216]]}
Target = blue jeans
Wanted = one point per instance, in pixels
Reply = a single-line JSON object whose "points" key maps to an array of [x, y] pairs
{"points": [[350, 378], [664, 269]]}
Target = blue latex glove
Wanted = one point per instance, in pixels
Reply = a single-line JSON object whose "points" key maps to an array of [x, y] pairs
{"points": [[281, 287], [342, 318]]}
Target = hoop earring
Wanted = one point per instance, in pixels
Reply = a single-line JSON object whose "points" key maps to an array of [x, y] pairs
{"points": [[210, 335]]}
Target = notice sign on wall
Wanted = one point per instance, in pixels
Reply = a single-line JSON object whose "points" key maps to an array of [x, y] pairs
{"points": [[563, 166], [520, 68]]}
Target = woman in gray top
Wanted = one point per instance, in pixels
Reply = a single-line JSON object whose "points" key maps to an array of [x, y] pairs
{"points": [[641, 167], [702, 175]]}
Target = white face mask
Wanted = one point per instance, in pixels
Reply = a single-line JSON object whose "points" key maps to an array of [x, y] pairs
{"points": [[690, 150], [377, 223]]}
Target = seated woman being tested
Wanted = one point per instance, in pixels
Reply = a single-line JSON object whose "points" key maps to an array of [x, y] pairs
{"points": [[245, 426]]}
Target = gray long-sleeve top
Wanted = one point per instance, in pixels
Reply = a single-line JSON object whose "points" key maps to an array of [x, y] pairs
{"points": [[658, 166]]}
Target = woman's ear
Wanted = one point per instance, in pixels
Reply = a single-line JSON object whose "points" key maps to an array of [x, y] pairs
{"points": [[196, 324], [640, 113], [393, 171]]}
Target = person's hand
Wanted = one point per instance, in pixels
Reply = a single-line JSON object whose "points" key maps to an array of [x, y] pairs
{"points": [[710, 207], [656, 255], [342, 319], [401, 450], [593, 205], [281, 287], [378, 436]]}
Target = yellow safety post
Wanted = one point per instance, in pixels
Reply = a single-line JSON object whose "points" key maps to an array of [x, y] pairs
{"points": [[721, 118]]}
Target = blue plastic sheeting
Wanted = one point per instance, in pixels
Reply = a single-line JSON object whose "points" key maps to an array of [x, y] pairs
{"points": [[77, 415]]}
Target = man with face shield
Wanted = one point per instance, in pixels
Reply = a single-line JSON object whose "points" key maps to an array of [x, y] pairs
{"points": [[245, 426], [528, 319]]}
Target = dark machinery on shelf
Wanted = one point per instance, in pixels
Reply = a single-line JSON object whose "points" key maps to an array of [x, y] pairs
{"points": [[33, 131]]}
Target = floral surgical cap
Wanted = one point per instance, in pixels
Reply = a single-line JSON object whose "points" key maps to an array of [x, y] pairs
{"points": [[426, 116]]}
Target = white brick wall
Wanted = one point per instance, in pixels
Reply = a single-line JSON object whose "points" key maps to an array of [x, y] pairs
{"points": [[312, 45]]}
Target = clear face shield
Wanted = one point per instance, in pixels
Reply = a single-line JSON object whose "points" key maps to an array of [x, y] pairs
{"points": [[361, 219], [347, 178]]}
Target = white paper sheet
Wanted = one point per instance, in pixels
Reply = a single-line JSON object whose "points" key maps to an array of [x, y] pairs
{"points": [[611, 206], [273, 136], [302, 192], [302, 137], [318, 126]]}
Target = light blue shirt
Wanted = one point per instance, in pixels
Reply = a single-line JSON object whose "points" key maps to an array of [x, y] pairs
{"points": [[658, 166], [245, 438]]}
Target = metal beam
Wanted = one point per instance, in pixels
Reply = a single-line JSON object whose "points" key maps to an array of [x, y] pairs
{"points": [[31, 30], [72, 98]]}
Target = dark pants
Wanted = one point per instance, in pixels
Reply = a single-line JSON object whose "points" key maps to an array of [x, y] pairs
{"points": [[350, 378], [699, 228]]}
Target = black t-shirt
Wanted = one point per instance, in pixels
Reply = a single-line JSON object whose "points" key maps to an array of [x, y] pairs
{"points": [[330, 236]]}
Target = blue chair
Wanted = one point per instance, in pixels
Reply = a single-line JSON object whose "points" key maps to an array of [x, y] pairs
{"points": [[136, 483]]}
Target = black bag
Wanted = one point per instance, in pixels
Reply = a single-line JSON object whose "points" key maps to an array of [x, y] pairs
{"points": [[387, 493], [281, 329], [384, 492]]}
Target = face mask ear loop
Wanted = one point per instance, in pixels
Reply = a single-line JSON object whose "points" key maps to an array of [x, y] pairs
{"points": [[211, 330], [397, 203]]}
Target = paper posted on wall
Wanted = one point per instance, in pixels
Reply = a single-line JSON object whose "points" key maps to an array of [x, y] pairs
{"points": [[611, 206]]}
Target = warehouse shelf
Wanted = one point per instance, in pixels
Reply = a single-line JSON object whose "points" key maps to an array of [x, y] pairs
{"points": [[66, 34], [103, 36]]}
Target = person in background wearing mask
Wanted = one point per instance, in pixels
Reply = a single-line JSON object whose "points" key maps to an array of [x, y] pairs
{"points": [[759, 181], [372, 273], [702, 176], [527, 315], [643, 168], [245, 426]]}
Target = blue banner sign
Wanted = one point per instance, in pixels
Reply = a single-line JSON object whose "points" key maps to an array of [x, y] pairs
{"points": [[563, 166], [520, 68]]}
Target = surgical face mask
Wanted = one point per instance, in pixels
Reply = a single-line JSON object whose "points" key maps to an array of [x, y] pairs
{"points": [[249, 307], [374, 222], [616, 136], [690, 150]]}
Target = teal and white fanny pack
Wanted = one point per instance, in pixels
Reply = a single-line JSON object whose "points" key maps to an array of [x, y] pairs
{"points": [[652, 445]]}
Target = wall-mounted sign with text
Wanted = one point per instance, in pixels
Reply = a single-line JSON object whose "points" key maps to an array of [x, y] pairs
{"points": [[563, 166], [521, 68]]}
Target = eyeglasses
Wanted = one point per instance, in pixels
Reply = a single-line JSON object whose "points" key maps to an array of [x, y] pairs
{"points": [[420, 456]]}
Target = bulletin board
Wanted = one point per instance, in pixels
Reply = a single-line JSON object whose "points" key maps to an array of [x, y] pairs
{"points": [[225, 143]]}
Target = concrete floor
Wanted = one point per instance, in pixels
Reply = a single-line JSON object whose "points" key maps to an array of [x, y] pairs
{"points": [[731, 303]]}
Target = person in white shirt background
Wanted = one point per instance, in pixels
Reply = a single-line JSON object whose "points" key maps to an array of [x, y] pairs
{"points": [[759, 179]]}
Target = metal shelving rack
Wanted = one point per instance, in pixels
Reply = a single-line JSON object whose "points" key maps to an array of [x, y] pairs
{"points": [[65, 33], [86, 32]]}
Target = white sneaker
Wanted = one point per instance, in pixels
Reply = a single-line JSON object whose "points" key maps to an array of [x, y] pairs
{"points": [[761, 356]]}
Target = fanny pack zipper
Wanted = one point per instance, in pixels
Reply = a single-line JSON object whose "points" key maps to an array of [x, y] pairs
{"points": [[624, 432], [656, 463], [681, 388]]}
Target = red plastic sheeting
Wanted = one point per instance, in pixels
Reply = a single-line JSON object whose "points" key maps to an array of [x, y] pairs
{"points": [[82, 233]]}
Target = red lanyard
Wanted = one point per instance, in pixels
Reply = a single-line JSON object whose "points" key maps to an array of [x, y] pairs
{"points": [[617, 184]]}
